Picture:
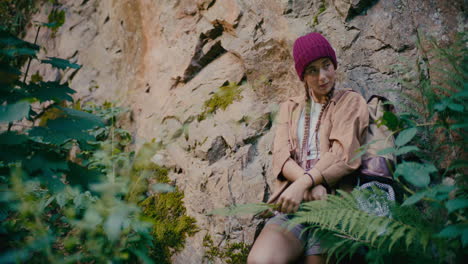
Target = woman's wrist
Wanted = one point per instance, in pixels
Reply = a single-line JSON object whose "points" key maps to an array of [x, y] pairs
{"points": [[309, 179]]}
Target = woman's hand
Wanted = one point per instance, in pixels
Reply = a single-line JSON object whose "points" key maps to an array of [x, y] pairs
{"points": [[291, 198], [318, 192]]}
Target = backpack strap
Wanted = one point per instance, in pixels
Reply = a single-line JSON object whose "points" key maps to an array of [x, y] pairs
{"points": [[388, 107]]}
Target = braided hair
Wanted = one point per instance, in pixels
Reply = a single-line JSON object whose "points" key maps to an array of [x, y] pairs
{"points": [[317, 127]]}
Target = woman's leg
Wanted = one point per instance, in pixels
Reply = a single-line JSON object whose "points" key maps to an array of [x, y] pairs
{"points": [[275, 245], [315, 259]]}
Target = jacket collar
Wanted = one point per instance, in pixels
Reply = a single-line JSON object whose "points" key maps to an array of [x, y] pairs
{"points": [[336, 97]]}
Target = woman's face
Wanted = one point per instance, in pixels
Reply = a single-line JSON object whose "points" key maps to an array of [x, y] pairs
{"points": [[319, 76]]}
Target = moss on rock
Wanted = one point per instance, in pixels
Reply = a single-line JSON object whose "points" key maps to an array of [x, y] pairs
{"points": [[171, 225], [226, 95], [231, 253]]}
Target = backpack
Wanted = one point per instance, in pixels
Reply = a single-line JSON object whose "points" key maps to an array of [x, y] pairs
{"points": [[376, 167]]}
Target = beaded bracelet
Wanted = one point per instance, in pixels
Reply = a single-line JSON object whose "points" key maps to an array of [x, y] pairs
{"points": [[312, 178]]}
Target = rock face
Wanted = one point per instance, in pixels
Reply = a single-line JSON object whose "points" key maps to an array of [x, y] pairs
{"points": [[164, 59]]}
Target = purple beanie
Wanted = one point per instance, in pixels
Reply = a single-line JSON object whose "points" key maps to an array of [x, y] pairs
{"points": [[310, 47]]}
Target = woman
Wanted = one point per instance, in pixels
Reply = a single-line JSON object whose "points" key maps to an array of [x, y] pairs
{"points": [[316, 139]]}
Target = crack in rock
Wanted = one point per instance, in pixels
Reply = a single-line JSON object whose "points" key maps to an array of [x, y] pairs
{"points": [[201, 59], [267, 189], [359, 7], [217, 150]]}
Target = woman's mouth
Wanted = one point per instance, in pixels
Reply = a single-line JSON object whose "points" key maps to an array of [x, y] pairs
{"points": [[323, 86]]}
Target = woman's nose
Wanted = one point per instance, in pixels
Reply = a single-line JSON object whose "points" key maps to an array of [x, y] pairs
{"points": [[322, 75]]}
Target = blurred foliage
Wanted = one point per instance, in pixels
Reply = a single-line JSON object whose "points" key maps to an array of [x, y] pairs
{"points": [[16, 14], [70, 185]]}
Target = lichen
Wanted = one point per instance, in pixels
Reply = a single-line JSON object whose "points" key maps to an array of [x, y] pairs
{"points": [[231, 253], [171, 225]]}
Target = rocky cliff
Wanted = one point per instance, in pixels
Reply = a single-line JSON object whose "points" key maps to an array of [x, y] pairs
{"points": [[205, 77]]}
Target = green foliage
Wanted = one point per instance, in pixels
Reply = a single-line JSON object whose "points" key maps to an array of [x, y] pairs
{"points": [[184, 129], [231, 253], [171, 225], [345, 226], [69, 186], [226, 95], [241, 209], [61, 63], [56, 19], [15, 14]]}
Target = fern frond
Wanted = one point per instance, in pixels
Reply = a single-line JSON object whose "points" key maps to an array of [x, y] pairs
{"points": [[341, 220]]}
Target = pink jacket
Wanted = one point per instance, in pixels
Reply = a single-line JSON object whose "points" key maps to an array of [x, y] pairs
{"points": [[342, 132]]}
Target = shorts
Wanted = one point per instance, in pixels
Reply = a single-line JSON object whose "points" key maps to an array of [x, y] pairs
{"points": [[310, 244]]}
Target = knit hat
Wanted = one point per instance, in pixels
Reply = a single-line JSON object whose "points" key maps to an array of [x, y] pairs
{"points": [[310, 47]]}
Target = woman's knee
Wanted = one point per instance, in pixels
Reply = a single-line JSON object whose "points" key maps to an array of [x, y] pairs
{"points": [[261, 258], [274, 246]]}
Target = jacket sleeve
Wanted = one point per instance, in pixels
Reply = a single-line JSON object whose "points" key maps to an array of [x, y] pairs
{"points": [[349, 125], [281, 142]]}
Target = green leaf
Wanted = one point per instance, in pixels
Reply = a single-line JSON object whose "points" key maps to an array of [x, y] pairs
{"points": [[114, 223], [90, 119], [441, 192], [162, 188], [386, 151], [456, 204], [46, 160], [4, 68], [14, 112], [62, 198], [440, 106], [45, 91], [82, 176], [47, 135], [7, 39], [464, 237], [452, 231], [74, 124], [241, 209], [12, 138], [142, 256], [458, 126], [456, 107], [178, 133], [360, 152], [390, 120], [414, 198], [406, 149], [415, 173], [458, 164], [50, 25], [14, 52], [463, 93], [405, 136], [61, 63]]}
